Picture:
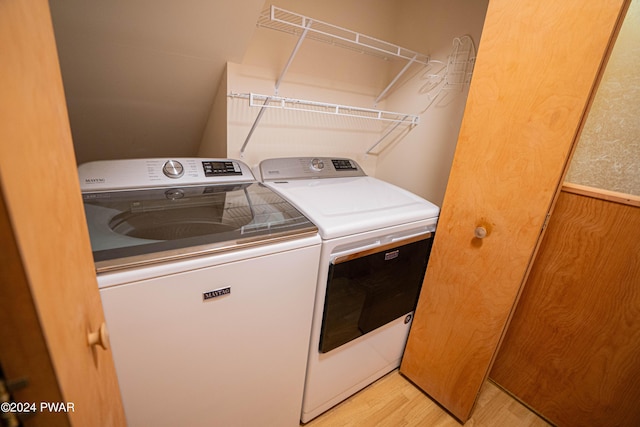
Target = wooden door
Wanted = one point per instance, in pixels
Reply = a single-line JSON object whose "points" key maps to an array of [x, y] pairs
{"points": [[48, 288], [536, 68]]}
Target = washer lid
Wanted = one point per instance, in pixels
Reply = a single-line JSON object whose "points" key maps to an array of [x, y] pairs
{"points": [[137, 227], [345, 206]]}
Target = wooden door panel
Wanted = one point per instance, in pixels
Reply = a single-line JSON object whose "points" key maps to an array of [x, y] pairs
{"points": [[573, 346], [41, 195], [23, 352], [536, 67]]}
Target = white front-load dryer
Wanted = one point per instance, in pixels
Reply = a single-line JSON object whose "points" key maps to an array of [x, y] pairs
{"points": [[376, 241]]}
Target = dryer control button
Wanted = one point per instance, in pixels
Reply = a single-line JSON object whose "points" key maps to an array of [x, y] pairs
{"points": [[317, 164], [173, 169]]}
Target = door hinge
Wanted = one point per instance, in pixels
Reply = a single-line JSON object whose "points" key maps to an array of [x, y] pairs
{"points": [[546, 222], [9, 417]]}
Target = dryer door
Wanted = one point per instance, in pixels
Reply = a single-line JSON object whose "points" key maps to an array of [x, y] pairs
{"points": [[369, 289]]}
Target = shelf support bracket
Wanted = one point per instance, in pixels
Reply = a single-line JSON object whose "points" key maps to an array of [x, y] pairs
{"points": [[293, 53], [397, 77], [255, 125], [382, 138], [278, 82]]}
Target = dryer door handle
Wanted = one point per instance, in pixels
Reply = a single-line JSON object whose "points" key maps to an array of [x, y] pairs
{"points": [[377, 249]]}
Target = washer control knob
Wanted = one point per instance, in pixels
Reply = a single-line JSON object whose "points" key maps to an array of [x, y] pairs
{"points": [[317, 164], [173, 169]]}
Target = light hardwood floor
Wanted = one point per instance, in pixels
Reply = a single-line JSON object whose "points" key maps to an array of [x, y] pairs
{"points": [[393, 401]]}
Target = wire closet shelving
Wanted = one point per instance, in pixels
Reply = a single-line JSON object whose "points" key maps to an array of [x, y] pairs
{"points": [[303, 27]]}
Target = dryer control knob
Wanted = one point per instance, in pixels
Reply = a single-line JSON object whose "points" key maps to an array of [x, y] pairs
{"points": [[173, 169], [317, 164]]}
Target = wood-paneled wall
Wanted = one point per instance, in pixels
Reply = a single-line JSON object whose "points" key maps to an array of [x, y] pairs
{"points": [[572, 350]]}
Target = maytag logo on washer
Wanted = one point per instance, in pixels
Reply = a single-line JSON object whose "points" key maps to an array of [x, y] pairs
{"points": [[95, 180], [216, 293]]}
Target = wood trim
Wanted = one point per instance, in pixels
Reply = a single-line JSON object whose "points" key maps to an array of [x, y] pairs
{"points": [[598, 193]]}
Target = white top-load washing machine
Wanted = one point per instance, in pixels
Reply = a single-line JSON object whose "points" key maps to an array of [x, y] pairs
{"points": [[376, 240], [207, 279]]}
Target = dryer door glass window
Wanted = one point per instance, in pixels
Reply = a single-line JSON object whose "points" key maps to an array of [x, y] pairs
{"points": [[368, 290]]}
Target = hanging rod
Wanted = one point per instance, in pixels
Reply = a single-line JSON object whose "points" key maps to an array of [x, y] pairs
{"points": [[269, 101], [304, 27]]}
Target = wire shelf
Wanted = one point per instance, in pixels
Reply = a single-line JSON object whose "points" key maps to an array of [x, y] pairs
{"points": [[271, 101], [292, 23], [304, 27]]}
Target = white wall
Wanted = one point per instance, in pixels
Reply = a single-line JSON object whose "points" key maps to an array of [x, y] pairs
{"points": [[140, 76], [422, 160], [215, 132]]}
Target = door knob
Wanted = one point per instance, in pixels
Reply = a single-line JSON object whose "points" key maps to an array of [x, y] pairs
{"points": [[480, 232], [99, 337]]}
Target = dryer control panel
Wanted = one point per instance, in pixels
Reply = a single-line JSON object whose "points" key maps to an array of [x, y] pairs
{"points": [[308, 167], [109, 175]]}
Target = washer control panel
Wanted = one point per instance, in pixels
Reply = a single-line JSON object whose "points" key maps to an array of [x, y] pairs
{"points": [[109, 175], [221, 168], [308, 167]]}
